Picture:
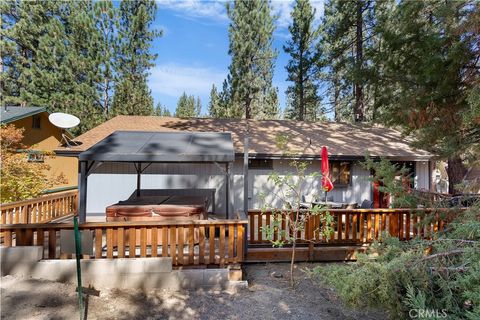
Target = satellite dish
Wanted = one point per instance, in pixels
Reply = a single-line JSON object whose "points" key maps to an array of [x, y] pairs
{"points": [[64, 121]]}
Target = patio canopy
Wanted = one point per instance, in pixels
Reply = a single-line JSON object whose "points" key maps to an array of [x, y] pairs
{"points": [[144, 146]]}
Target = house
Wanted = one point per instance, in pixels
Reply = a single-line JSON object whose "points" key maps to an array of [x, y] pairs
{"points": [[110, 182], [41, 137]]}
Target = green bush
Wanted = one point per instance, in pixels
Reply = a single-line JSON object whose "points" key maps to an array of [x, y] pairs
{"points": [[439, 274]]}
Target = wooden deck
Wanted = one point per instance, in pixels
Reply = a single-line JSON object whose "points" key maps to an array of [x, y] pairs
{"points": [[216, 241]]}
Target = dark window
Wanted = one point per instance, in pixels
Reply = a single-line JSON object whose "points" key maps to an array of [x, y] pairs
{"points": [[340, 171], [35, 156], [259, 164], [36, 121]]}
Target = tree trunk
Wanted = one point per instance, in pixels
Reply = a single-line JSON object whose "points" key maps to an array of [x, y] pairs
{"points": [[359, 103], [336, 95], [456, 171]]}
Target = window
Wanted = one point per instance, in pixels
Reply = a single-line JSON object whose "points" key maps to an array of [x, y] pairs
{"points": [[35, 156], [259, 164], [36, 121], [340, 171]]}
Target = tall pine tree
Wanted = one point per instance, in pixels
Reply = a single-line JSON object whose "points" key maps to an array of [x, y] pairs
{"points": [[302, 68], [188, 106], [430, 64], [132, 95], [251, 94]]}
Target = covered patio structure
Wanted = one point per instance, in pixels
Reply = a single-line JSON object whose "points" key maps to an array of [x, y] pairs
{"points": [[143, 148]]}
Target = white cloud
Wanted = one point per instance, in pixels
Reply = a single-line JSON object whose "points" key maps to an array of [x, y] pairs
{"points": [[214, 10], [173, 79]]}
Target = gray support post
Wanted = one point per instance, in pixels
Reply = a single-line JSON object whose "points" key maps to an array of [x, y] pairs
{"points": [[245, 175], [139, 173], [229, 191], [82, 191]]}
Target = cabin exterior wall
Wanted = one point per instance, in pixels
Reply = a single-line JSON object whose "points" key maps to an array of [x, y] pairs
{"points": [[112, 182]]}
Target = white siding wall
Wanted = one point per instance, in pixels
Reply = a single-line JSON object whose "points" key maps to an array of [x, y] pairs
{"points": [[358, 190], [113, 182], [422, 175]]}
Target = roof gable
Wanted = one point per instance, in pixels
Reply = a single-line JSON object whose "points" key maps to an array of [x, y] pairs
{"points": [[10, 114]]}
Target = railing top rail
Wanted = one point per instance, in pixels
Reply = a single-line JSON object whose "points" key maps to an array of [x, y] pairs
{"points": [[122, 224], [59, 195], [398, 210]]}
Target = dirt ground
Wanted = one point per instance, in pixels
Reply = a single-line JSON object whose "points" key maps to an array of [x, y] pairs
{"points": [[268, 296]]}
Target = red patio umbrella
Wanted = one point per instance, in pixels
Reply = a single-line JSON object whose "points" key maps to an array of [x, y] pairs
{"points": [[327, 184]]}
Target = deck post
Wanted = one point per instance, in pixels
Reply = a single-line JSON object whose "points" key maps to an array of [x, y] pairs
{"points": [[82, 191], [139, 174], [229, 199], [245, 175]]}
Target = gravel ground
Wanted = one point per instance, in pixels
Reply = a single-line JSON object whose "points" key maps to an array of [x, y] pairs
{"points": [[268, 296]]}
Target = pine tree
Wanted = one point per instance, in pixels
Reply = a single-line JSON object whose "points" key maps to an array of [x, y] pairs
{"points": [[347, 41], [304, 102], [106, 21], [188, 106], [214, 109], [132, 95], [429, 61], [250, 80], [162, 111]]}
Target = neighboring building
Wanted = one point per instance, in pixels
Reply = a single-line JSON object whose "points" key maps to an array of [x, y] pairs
{"points": [[347, 144], [41, 136]]}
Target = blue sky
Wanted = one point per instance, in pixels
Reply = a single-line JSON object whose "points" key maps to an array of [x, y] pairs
{"points": [[193, 52]]}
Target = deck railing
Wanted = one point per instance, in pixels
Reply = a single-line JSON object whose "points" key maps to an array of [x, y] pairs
{"points": [[39, 210], [198, 242], [356, 226]]}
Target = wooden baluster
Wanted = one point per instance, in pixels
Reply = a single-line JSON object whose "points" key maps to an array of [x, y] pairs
{"points": [[347, 225], [240, 232], [17, 215], [222, 245], [231, 239], [154, 246], [407, 226], [362, 226], [211, 242], [98, 243], [181, 242], [165, 241], [267, 222], [29, 237], [11, 216], [376, 226], [275, 228], [132, 242], [369, 227], [121, 242], [384, 222], [283, 226], [7, 238], [40, 238], [109, 243], [52, 244], [173, 244], [259, 228], [4, 216], [354, 227], [191, 244], [143, 242], [201, 244], [339, 226], [252, 227]]}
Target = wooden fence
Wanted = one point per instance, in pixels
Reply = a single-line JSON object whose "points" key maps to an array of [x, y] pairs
{"points": [[356, 226], [39, 210], [199, 242]]}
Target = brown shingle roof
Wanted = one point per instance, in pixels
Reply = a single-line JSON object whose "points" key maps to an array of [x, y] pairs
{"points": [[305, 138]]}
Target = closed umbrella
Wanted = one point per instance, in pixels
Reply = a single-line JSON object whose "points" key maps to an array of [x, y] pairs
{"points": [[327, 184]]}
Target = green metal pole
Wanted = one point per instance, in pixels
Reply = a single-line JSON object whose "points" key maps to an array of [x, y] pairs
{"points": [[78, 252]]}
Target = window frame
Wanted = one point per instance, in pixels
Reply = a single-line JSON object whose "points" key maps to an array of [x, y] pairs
{"points": [[260, 164], [336, 182], [36, 121]]}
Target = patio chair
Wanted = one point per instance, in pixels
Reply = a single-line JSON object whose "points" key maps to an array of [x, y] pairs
{"points": [[366, 204]]}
